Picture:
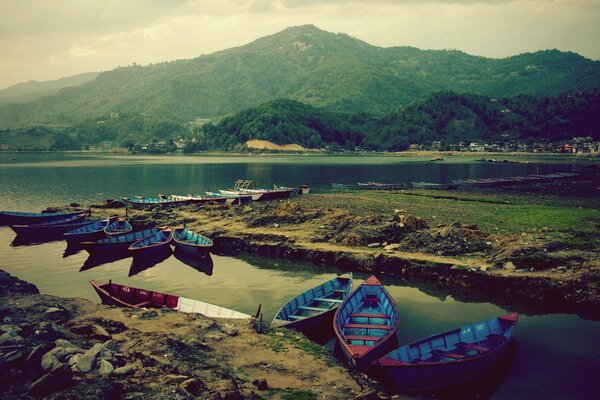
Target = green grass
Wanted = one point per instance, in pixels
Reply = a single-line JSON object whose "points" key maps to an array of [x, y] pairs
{"points": [[292, 394]]}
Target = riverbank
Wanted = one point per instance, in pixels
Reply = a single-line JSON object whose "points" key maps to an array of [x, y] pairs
{"points": [[69, 348], [533, 248]]}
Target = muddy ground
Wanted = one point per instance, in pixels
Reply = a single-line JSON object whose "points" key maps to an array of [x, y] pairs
{"points": [[61, 348]]}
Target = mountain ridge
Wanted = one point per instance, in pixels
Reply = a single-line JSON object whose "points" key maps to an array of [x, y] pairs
{"points": [[330, 70]]}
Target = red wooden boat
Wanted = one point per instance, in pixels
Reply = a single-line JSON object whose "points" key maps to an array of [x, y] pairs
{"points": [[365, 324], [126, 296]]}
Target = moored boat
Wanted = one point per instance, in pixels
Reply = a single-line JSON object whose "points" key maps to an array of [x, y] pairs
{"points": [[248, 187], [126, 296], [365, 324], [235, 199], [433, 185], [149, 202], [118, 227], [117, 243], [190, 242], [153, 244], [194, 198], [370, 186], [52, 228], [312, 311], [92, 231], [450, 358], [28, 218]]}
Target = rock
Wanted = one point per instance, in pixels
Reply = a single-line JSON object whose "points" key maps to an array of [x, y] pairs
{"points": [[124, 370], [54, 310], [50, 362], [230, 330], [47, 330], [100, 332], [509, 266], [63, 343], [149, 315], [10, 328], [173, 377], [10, 337], [373, 245], [73, 360], [261, 384], [53, 381], [193, 386], [392, 247], [86, 361], [106, 368]]}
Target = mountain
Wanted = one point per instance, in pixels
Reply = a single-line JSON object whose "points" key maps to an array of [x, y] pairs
{"points": [[333, 71], [28, 91]]}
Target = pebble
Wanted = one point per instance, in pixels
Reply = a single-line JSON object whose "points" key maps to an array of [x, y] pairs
{"points": [[86, 360], [124, 370], [106, 368]]}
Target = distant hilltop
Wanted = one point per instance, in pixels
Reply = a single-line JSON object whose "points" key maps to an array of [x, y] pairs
{"points": [[334, 72]]}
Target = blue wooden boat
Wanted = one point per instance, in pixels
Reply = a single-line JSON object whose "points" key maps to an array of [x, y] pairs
{"points": [[194, 198], [118, 227], [52, 228], [190, 242], [450, 358], [365, 324], [231, 198], [93, 231], [313, 310], [153, 244], [370, 186], [27, 218], [117, 243], [149, 202]]}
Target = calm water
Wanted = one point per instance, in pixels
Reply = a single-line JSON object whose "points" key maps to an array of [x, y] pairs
{"points": [[557, 356]]}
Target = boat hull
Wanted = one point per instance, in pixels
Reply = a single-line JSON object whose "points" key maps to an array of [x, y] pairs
{"points": [[152, 245], [116, 244], [49, 229], [19, 218], [191, 243]]}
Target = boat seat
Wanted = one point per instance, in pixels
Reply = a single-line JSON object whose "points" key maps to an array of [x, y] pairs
{"points": [[371, 299], [313, 308], [327, 299], [339, 290], [296, 317], [143, 304], [365, 315], [365, 338], [447, 354], [493, 336], [472, 346], [366, 326]]}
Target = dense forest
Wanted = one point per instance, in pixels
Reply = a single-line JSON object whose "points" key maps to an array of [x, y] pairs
{"points": [[335, 72]]}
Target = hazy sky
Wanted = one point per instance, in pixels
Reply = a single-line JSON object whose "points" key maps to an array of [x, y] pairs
{"points": [[50, 39]]}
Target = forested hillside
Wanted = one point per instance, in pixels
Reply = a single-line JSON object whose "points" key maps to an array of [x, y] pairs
{"points": [[334, 72]]}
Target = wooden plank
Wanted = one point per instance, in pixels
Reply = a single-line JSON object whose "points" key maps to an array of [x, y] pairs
{"points": [[313, 308], [365, 315], [448, 354], [472, 346], [327, 299], [371, 299], [369, 338], [366, 326], [297, 317]]}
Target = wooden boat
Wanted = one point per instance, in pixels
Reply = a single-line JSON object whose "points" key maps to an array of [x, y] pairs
{"points": [[313, 309], [433, 185], [153, 244], [194, 198], [248, 187], [299, 191], [52, 228], [149, 202], [126, 296], [117, 243], [92, 231], [27, 218], [190, 242], [450, 358], [365, 324], [235, 199], [118, 227], [370, 186]]}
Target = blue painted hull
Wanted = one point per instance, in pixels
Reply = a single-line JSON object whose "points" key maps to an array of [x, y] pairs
{"points": [[365, 324], [87, 233], [191, 243], [23, 218], [118, 243], [153, 245], [448, 359]]}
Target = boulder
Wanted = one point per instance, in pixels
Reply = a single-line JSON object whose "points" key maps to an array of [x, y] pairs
{"points": [[86, 361]]}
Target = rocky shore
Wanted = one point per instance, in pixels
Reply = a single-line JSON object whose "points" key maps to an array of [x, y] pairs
{"points": [[60, 348]]}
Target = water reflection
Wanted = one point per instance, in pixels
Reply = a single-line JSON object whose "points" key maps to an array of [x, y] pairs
{"points": [[72, 249], [201, 264], [144, 262], [34, 240], [97, 259]]}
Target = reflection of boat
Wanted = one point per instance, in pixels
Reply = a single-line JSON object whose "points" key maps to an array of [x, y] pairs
{"points": [[72, 248], [139, 264], [96, 259], [27, 218], [126, 296], [366, 323], [19, 241], [118, 227], [313, 310], [199, 263], [370, 186], [118, 242], [450, 358], [152, 244], [191, 242], [52, 229], [88, 232]]}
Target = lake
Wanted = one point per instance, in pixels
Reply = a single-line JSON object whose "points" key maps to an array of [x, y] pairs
{"points": [[556, 356]]}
